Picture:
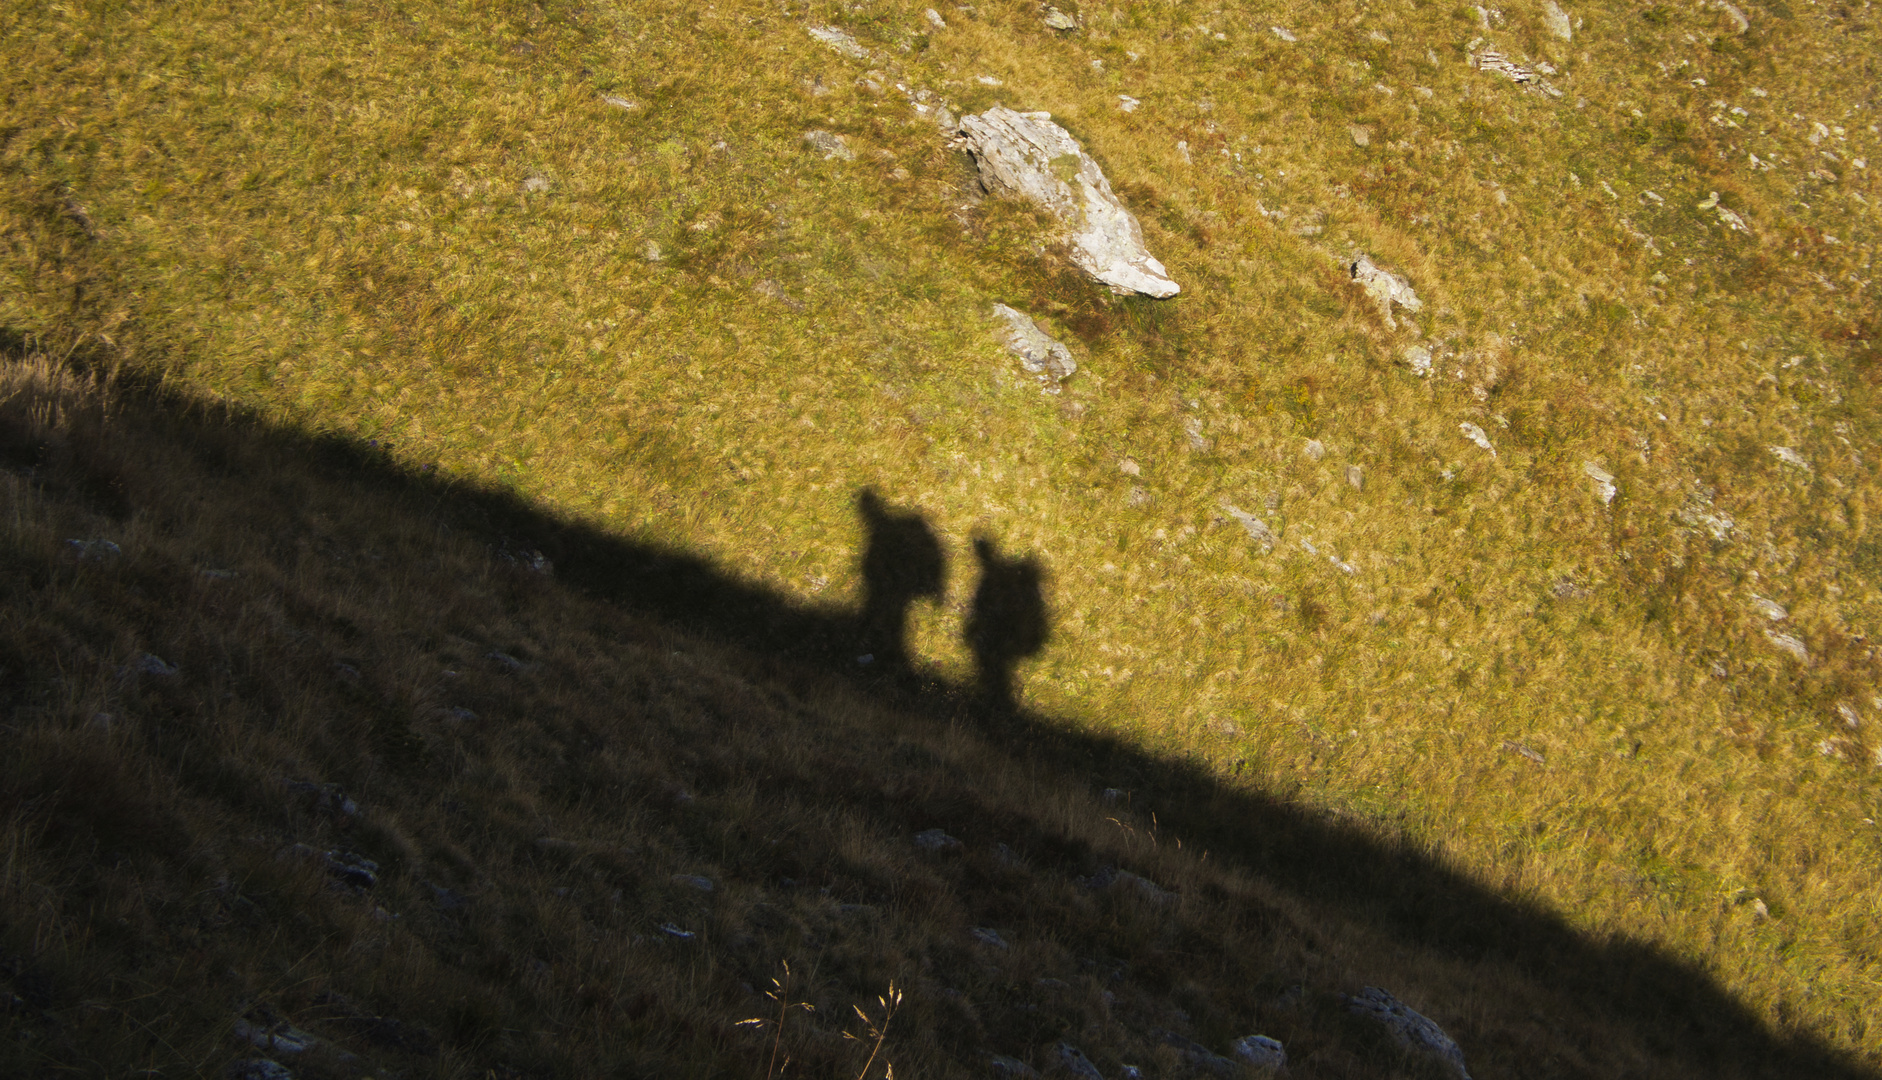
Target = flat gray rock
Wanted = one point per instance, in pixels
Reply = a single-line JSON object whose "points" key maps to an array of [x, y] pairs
{"points": [[1261, 1052], [1028, 156], [1409, 1028]]}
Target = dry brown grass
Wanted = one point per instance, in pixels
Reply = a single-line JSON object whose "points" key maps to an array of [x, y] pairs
{"points": [[322, 211]]}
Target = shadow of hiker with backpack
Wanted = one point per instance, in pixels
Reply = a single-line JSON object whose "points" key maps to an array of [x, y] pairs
{"points": [[1007, 623], [902, 563]]}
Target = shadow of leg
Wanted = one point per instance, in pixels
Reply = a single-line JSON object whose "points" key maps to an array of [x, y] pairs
{"points": [[1007, 623], [902, 563]]}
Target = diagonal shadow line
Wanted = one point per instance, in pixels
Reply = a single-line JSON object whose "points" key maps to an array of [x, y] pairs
{"points": [[1667, 1004], [1659, 1003]]}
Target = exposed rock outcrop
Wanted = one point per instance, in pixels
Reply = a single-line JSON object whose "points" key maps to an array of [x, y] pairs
{"points": [[1029, 156]]}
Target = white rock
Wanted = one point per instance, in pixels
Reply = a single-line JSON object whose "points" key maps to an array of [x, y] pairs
{"points": [[840, 40], [1604, 488], [989, 936], [1356, 477], [1790, 457], [1260, 1051], [1385, 288], [1475, 434], [1419, 358], [1127, 103], [1315, 450], [620, 102], [1408, 1028], [1790, 644], [1036, 350], [1059, 20], [1770, 609], [1130, 468], [1496, 63], [1257, 529], [830, 145], [1027, 155], [1740, 24], [1283, 35], [934, 19], [1556, 20]]}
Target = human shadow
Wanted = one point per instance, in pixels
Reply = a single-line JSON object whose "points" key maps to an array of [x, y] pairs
{"points": [[1007, 623], [902, 562], [1663, 1007]]}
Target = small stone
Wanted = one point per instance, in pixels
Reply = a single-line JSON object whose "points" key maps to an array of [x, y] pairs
{"points": [[1127, 103], [504, 660], [1283, 35], [1497, 64], [1790, 644], [1524, 751], [1038, 353], [152, 664], [1130, 468], [1196, 1055], [351, 869], [94, 549], [1356, 477], [536, 183], [1770, 609], [693, 881], [1257, 529], [840, 40], [1111, 796], [1068, 1058], [936, 840], [1556, 20], [277, 1038], [831, 146], [986, 935], [1740, 24], [676, 933], [1604, 488], [1315, 450], [934, 19], [620, 102], [650, 251], [1790, 457], [1385, 288], [1409, 1028], [1362, 135], [1192, 433], [1475, 434], [1260, 1051], [1011, 1068], [1059, 20], [1419, 358]]}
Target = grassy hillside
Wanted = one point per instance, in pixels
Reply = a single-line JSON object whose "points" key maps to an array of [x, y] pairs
{"points": [[584, 254]]}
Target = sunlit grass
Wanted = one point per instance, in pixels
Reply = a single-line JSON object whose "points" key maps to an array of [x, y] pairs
{"points": [[425, 225]]}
